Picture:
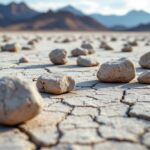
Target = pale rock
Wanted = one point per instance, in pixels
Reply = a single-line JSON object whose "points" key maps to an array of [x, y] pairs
{"points": [[121, 70], [55, 83], [19, 101], [58, 57]]}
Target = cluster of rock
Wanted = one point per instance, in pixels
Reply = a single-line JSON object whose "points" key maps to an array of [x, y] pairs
{"points": [[20, 100], [60, 56]]}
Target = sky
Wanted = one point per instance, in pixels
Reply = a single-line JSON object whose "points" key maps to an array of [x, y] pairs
{"points": [[118, 7]]}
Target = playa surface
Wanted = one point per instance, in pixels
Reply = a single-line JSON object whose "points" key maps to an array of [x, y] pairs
{"points": [[95, 116]]}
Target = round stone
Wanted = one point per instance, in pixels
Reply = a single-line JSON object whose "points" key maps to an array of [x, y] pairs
{"points": [[121, 70], [89, 47], [133, 43], [78, 52], [58, 57], [86, 46], [23, 60], [127, 48], [145, 60], [15, 47], [87, 61], [55, 83], [105, 46], [144, 78], [19, 101]]}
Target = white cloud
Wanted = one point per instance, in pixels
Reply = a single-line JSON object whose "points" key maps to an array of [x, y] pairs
{"points": [[92, 6]]}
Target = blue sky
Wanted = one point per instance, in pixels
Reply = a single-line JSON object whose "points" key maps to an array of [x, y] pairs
{"points": [[90, 6]]}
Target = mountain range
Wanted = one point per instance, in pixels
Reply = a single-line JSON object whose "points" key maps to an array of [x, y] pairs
{"points": [[15, 12], [19, 16], [131, 19]]}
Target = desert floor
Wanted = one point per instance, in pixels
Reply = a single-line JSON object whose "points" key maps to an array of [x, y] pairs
{"points": [[95, 116]]}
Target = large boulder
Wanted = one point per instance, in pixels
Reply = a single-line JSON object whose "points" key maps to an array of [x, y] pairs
{"points": [[121, 70], [19, 101]]}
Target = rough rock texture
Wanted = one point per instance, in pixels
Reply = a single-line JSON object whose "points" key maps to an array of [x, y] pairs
{"points": [[11, 47], [78, 52], [121, 70], [19, 101], [55, 83], [144, 78], [145, 60], [87, 61], [58, 56]]}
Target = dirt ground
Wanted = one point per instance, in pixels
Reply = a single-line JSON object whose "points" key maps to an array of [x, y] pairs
{"points": [[95, 116]]}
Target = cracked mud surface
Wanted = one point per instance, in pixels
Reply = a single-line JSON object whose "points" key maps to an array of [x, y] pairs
{"points": [[95, 116]]}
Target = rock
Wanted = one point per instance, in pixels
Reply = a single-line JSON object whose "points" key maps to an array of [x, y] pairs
{"points": [[58, 56], [121, 70], [113, 39], [91, 51], [145, 60], [147, 44], [67, 40], [89, 47], [27, 48], [105, 46], [55, 83], [33, 41], [86, 46], [19, 101], [127, 48], [6, 38], [87, 61], [144, 78], [133, 43], [78, 52], [23, 60], [15, 47]]}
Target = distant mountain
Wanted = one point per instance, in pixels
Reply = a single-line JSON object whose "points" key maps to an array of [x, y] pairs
{"points": [[58, 21], [71, 9], [14, 12], [118, 28], [131, 19], [142, 27]]}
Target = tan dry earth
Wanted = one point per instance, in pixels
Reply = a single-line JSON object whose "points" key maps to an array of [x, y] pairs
{"points": [[95, 115]]}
